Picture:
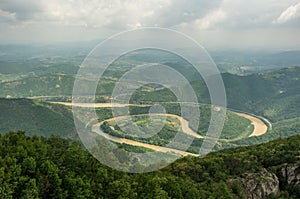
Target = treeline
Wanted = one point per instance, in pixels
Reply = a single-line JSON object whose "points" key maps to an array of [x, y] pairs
{"points": [[38, 167]]}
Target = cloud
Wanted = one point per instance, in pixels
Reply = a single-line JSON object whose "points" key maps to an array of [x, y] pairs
{"points": [[23, 10], [207, 22], [219, 20], [289, 14], [114, 14], [212, 19], [7, 16], [233, 14], [253, 14], [182, 11]]}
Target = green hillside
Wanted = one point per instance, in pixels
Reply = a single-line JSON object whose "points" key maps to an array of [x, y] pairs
{"points": [[36, 118], [40, 65], [34, 167], [56, 85], [45, 85], [274, 95]]}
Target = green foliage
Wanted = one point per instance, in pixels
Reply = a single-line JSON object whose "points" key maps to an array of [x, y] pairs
{"points": [[236, 127], [131, 148], [45, 85], [36, 118], [38, 167], [162, 138]]}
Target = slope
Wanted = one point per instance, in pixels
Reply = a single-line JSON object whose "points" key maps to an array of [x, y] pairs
{"points": [[35, 118], [55, 168]]}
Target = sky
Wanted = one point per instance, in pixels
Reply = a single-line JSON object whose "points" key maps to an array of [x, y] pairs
{"points": [[215, 24]]}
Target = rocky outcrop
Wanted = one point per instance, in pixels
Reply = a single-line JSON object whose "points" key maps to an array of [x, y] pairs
{"points": [[290, 173], [257, 185], [264, 183]]}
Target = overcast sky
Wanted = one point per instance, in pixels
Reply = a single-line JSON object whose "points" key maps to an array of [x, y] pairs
{"points": [[255, 24]]}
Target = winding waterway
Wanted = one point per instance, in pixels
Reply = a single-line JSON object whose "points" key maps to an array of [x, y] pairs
{"points": [[260, 127]]}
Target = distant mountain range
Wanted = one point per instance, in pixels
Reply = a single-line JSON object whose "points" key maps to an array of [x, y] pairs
{"points": [[234, 61]]}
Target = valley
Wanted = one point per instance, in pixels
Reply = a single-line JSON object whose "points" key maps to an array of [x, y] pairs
{"points": [[185, 99], [262, 94], [262, 108], [21, 106], [259, 127]]}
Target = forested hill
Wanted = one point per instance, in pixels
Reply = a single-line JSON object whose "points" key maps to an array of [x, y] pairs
{"points": [[274, 95], [38, 167], [36, 118], [265, 93]]}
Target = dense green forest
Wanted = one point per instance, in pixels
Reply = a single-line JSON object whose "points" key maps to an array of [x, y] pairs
{"points": [[39, 167]]}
